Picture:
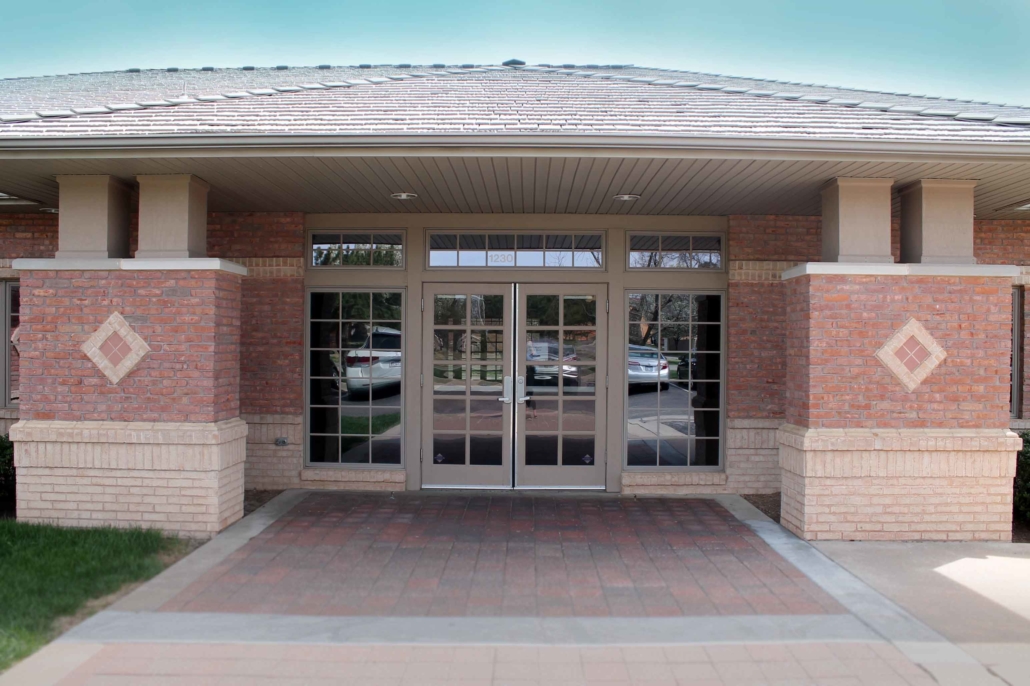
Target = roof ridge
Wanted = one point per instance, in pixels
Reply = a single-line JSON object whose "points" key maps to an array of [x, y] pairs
{"points": [[957, 115], [234, 95], [809, 84]]}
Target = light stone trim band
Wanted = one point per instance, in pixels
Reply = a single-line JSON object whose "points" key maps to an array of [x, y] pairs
{"points": [[804, 438], [354, 479], [898, 453], [1024, 277], [272, 267], [151, 433], [634, 480], [759, 271]]}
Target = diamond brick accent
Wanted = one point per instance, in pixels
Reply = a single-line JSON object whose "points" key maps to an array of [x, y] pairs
{"points": [[911, 354], [115, 348]]}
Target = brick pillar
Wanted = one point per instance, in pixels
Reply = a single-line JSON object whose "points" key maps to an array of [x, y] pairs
{"points": [[898, 402], [130, 394], [130, 400]]}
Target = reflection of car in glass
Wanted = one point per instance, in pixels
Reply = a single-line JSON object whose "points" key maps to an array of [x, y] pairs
{"points": [[647, 365], [376, 364], [547, 375]]}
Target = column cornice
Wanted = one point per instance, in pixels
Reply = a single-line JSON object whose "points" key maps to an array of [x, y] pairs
{"points": [[130, 264], [874, 269]]}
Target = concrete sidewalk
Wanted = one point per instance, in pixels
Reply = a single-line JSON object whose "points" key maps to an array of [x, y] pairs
{"points": [[977, 595], [898, 616]]}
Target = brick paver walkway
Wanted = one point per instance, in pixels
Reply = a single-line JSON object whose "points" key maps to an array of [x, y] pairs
{"points": [[505, 555]]}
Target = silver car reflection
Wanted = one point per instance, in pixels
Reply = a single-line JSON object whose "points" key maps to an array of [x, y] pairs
{"points": [[646, 365]]}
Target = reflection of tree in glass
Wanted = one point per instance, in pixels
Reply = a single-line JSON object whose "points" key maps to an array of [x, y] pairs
{"points": [[358, 251]]}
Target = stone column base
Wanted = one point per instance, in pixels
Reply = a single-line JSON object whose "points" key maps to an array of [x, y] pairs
{"points": [[906, 484], [185, 478]]}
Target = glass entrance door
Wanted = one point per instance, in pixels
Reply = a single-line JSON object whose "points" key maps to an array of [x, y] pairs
{"points": [[467, 385], [513, 385], [560, 386]]}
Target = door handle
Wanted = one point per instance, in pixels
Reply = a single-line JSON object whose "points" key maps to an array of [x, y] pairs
{"points": [[506, 398], [520, 391]]}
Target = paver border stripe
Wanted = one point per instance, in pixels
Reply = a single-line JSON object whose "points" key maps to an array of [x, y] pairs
{"points": [[169, 583], [211, 627]]}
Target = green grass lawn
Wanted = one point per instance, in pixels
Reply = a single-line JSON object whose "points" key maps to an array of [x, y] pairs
{"points": [[47, 572], [359, 425]]}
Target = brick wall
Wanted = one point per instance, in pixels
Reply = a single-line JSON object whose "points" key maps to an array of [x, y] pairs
{"points": [[272, 350], [190, 320], [255, 234], [775, 237], [756, 364], [836, 323], [1002, 241], [272, 354], [27, 235], [272, 247]]}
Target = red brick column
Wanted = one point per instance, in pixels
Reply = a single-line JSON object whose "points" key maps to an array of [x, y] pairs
{"points": [[159, 442], [865, 457], [190, 320]]}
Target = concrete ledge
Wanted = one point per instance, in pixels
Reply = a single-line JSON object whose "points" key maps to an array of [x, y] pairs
{"points": [[191, 264], [874, 269]]}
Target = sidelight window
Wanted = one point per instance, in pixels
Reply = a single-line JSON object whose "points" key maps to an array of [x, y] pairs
{"points": [[12, 368], [1016, 358], [674, 390], [355, 377]]}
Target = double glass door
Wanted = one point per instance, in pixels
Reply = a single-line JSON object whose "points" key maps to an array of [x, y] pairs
{"points": [[514, 379]]}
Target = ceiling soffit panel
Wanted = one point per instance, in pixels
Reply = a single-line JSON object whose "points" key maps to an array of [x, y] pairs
{"points": [[538, 185]]}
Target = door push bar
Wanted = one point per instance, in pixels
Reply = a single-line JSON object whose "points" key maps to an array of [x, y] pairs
{"points": [[506, 398]]}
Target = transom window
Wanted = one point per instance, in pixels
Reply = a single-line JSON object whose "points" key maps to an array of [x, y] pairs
{"points": [[357, 249], [674, 380], [355, 376], [483, 249], [675, 251]]}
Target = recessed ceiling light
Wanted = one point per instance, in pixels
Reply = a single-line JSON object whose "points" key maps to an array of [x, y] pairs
{"points": [[404, 196], [11, 200], [49, 210], [1022, 208], [626, 197]]}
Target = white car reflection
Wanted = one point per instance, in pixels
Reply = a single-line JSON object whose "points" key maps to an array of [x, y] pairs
{"points": [[376, 364]]}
